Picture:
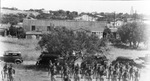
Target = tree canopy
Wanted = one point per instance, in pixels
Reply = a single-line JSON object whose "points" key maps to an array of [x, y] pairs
{"points": [[16, 32], [64, 41], [133, 33], [13, 19]]}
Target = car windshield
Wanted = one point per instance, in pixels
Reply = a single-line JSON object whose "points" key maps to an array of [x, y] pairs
{"points": [[14, 54]]}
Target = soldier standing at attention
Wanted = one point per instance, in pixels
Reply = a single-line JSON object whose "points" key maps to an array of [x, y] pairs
{"points": [[125, 76], [131, 72], [11, 73], [5, 69], [50, 67], [137, 75], [110, 71]]}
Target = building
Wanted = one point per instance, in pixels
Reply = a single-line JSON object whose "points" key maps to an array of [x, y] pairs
{"points": [[86, 17], [131, 11], [35, 28], [115, 24]]}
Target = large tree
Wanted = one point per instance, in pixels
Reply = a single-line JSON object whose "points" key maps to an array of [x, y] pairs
{"points": [[10, 18], [12, 31], [133, 33], [13, 19], [16, 32], [20, 32], [63, 41]]}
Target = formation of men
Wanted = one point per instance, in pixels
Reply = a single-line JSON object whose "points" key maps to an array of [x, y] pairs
{"points": [[86, 71], [97, 71]]}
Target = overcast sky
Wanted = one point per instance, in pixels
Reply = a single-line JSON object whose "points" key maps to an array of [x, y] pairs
{"points": [[80, 5]]}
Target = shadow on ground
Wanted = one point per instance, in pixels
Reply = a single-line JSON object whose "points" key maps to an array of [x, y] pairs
{"points": [[31, 67], [127, 47]]}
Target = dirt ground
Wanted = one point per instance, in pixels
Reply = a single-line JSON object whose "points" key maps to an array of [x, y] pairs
{"points": [[31, 54]]}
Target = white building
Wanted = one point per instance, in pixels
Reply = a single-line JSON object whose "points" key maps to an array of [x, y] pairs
{"points": [[86, 17], [115, 24]]}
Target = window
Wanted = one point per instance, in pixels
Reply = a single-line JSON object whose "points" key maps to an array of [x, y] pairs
{"points": [[93, 32], [33, 28], [48, 28]]}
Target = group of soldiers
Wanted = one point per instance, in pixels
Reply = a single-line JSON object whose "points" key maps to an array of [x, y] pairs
{"points": [[98, 71], [8, 72], [71, 71]]}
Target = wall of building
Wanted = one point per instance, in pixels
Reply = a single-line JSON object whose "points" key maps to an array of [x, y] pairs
{"points": [[86, 18], [42, 24]]}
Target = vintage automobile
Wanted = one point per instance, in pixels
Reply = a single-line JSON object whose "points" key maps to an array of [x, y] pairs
{"points": [[146, 58], [12, 57], [99, 59], [125, 60], [45, 58]]}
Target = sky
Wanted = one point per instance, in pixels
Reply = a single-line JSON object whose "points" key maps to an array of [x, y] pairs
{"points": [[81, 5]]}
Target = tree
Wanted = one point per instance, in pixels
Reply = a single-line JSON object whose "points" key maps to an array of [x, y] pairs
{"points": [[64, 41], [133, 33], [21, 16], [13, 19], [10, 18], [20, 33], [12, 31], [43, 16]]}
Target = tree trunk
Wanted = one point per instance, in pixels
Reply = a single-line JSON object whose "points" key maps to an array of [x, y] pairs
{"points": [[137, 44], [130, 43]]}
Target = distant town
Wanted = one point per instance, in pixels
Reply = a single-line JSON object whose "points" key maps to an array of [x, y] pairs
{"points": [[94, 21]]}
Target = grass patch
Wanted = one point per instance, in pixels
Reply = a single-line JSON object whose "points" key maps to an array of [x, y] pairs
{"points": [[24, 42], [126, 46], [28, 47]]}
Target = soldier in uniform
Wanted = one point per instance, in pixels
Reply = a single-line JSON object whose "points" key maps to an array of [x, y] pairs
{"points": [[11, 73], [5, 69], [121, 70], [110, 71], [125, 76], [115, 75], [50, 67], [131, 72], [137, 75]]}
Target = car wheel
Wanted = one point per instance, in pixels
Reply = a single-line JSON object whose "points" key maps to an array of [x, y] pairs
{"points": [[37, 64], [18, 62]]}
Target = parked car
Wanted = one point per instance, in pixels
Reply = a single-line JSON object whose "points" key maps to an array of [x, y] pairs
{"points": [[146, 59], [13, 57], [125, 60], [100, 59], [45, 57]]}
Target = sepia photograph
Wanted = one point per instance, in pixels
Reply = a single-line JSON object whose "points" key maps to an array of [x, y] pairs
{"points": [[74, 40]]}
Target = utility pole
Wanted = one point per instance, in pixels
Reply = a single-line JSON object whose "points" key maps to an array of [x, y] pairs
{"points": [[0, 12], [114, 19], [136, 16]]}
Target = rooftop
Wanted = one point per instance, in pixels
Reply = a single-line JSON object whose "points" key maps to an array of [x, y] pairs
{"points": [[33, 33]]}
